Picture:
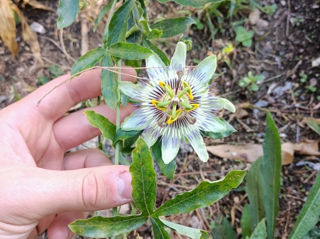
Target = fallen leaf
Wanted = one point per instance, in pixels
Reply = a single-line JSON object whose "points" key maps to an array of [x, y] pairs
{"points": [[254, 16], [29, 36], [247, 152], [251, 152], [8, 27], [316, 62], [314, 125], [309, 147], [36, 4]]}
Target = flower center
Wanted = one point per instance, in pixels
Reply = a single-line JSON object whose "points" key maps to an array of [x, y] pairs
{"points": [[175, 103]]}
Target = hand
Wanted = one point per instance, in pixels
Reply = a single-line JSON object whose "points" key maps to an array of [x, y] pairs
{"points": [[42, 188]]}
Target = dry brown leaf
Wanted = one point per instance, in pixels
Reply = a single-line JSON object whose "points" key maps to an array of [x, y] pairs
{"points": [[251, 152], [36, 4], [8, 27], [247, 152], [29, 36], [309, 147]]}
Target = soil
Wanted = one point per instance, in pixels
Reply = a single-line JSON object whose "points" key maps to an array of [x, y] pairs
{"points": [[283, 50]]}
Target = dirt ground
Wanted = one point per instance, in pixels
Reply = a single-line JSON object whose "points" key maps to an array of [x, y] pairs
{"points": [[283, 50]]}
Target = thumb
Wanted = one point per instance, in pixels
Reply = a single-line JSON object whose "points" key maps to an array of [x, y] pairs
{"points": [[81, 190]]}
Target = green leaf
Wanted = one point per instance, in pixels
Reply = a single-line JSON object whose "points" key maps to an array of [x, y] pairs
{"points": [[88, 60], [312, 123], [130, 51], [167, 169], [186, 231], [109, 83], [107, 128], [123, 135], [191, 3], [260, 232], [101, 15], [246, 221], [127, 138], [173, 26], [157, 51], [243, 36], [203, 195], [228, 130], [119, 23], [310, 212], [223, 229], [254, 189], [270, 169], [55, 71], [101, 227], [67, 12], [158, 229], [143, 178]]}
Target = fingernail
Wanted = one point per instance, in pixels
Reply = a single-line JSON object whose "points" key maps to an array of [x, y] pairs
{"points": [[124, 185]]}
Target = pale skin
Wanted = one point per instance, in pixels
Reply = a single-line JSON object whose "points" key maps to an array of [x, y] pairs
{"points": [[41, 187]]}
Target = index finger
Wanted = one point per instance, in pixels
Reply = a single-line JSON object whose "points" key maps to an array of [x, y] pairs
{"points": [[66, 93]]}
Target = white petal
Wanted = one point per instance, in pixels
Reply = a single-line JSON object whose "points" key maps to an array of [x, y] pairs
{"points": [[130, 89], [213, 124], [178, 60], [150, 136], [225, 104], [198, 145], [169, 149], [156, 69], [206, 68], [136, 121]]}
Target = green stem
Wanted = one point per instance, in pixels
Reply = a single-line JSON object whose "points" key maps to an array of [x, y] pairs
{"points": [[118, 118]]}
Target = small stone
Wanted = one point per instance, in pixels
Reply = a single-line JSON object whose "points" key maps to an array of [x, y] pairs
{"points": [[37, 27]]}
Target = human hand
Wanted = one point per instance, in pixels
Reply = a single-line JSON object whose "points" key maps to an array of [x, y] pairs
{"points": [[42, 188]]}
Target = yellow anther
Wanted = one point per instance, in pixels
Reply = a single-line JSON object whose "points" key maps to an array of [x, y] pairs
{"points": [[185, 85], [173, 119], [162, 84], [155, 103], [194, 106]]}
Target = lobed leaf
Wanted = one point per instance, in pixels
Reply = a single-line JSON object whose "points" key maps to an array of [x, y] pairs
{"points": [[270, 169], [309, 214], [130, 51], [191, 3], [143, 178], [88, 60], [167, 169], [157, 51], [186, 231], [67, 12], [173, 26], [203, 195], [107, 128], [158, 229], [109, 83], [101, 227], [119, 23]]}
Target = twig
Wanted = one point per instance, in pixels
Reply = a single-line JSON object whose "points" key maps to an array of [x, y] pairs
{"points": [[84, 35], [288, 18], [70, 58]]}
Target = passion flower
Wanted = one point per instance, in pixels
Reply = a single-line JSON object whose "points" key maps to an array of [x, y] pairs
{"points": [[175, 104]]}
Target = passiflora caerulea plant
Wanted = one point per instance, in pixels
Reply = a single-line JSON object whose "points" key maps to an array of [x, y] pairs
{"points": [[174, 106]]}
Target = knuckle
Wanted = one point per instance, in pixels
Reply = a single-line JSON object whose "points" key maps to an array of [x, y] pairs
{"points": [[89, 191]]}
